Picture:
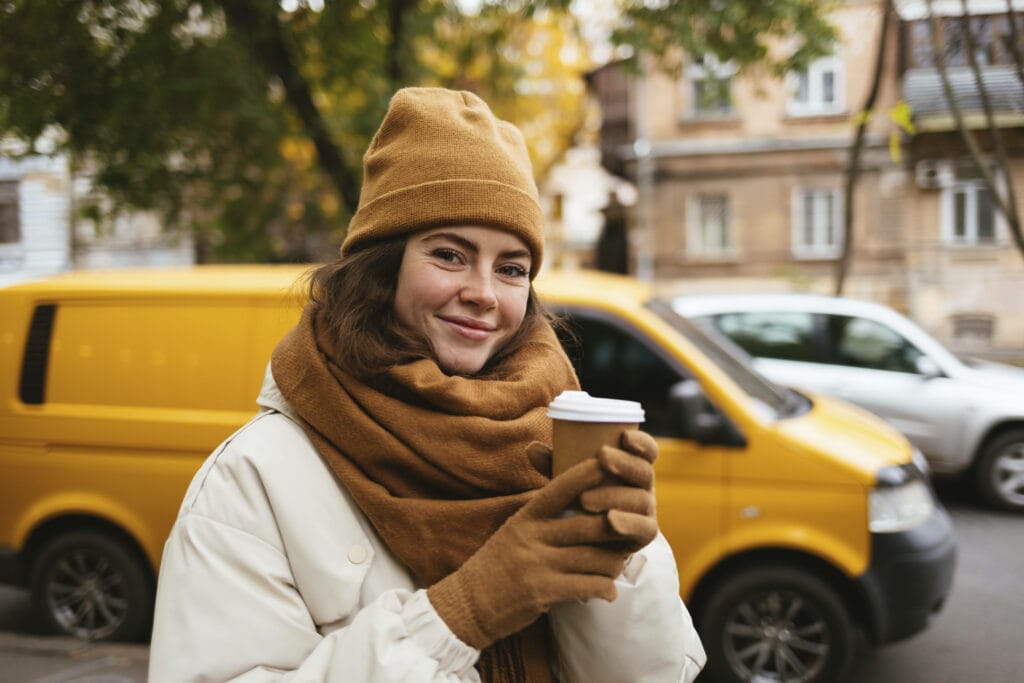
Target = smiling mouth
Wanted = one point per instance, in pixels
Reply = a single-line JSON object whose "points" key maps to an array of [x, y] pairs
{"points": [[469, 328]]}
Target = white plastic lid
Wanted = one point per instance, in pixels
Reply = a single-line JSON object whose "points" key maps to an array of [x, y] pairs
{"points": [[579, 406]]}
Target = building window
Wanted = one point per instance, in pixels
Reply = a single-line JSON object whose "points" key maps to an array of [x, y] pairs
{"points": [[818, 89], [711, 87], [817, 231], [969, 214], [710, 233], [993, 41], [10, 222]]}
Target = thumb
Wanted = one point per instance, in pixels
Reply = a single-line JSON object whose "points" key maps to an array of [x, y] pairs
{"points": [[539, 455]]}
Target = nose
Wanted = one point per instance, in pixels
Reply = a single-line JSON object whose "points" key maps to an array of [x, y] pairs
{"points": [[478, 289]]}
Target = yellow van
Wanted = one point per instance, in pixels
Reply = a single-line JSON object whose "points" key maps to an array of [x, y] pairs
{"points": [[801, 526]]}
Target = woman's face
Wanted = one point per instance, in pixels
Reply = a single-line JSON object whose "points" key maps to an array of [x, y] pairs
{"points": [[465, 289]]}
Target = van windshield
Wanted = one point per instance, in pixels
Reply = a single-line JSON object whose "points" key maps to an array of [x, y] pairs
{"points": [[776, 401]]}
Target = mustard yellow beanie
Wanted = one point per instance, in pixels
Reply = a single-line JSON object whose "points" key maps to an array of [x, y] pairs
{"points": [[440, 157]]}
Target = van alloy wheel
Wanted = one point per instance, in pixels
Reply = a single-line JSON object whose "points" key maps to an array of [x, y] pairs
{"points": [[88, 585], [777, 624]]}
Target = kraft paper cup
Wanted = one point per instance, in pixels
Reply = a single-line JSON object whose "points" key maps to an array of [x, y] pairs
{"points": [[583, 423]]}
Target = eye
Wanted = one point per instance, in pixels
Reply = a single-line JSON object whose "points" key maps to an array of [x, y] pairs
{"points": [[447, 255], [513, 270]]}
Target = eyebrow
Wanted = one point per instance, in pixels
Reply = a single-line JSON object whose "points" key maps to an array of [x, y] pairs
{"points": [[469, 245]]}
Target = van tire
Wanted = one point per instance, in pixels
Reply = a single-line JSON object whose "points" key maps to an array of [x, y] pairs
{"points": [[764, 610], [92, 586], [1000, 461]]}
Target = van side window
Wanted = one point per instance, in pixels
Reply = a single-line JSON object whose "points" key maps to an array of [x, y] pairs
{"points": [[782, 335], [32, 387], [611, 362]]}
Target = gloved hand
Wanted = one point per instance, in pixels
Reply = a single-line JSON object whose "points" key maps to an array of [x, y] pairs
{"points": [[627, 497], [535, 560]]}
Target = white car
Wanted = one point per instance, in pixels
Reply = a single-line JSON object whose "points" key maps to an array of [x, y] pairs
{"points": [[964, 415]]}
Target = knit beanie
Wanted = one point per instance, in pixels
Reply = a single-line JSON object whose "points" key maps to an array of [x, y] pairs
{"points": [[440, 157]]}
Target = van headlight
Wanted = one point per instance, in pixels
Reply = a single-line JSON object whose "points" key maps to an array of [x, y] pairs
{"points": [[899, 507], [917, 457]]}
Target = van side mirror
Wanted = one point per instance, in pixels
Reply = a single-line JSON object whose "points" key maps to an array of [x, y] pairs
{"points": [[697, 419]]}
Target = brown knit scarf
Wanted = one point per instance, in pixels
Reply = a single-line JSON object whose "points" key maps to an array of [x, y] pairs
{"points": [[437, 463]]}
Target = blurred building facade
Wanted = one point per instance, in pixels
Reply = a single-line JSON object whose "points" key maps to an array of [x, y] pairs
{"points": [[741, 178], [42, 233]]}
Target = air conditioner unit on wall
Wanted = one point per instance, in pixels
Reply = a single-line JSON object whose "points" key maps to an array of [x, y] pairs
{"points": [[934, 174]]}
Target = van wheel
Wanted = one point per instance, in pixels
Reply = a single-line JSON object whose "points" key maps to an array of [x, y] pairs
{"points": [[88, 585], [1001, 471], [777, 624]]}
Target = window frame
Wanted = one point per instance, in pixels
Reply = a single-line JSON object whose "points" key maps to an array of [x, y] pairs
{"points": [[696, 246], [818, 249], [815, 73], [705, 69], [10, 200], [947, 215]]}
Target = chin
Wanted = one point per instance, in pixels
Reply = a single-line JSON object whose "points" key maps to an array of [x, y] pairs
{"points": [[461, 366]]}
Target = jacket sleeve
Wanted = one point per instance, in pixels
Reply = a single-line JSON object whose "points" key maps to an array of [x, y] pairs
{"points": [[228, 610], [645, 636]]}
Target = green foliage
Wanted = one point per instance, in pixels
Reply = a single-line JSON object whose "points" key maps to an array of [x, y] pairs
{"points": [[172, 107]]}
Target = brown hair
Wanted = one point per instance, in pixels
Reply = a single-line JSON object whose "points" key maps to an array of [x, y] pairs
{"points": [[355, 300]]}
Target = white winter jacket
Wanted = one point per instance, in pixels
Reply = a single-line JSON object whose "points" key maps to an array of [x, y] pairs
{"points": [[272, 573]]}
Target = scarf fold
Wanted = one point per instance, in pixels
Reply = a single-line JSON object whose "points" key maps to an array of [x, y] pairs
{"points": [[437, 463]]}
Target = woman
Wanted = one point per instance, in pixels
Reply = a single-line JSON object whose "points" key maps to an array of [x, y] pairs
{"points": [[388, 515]]}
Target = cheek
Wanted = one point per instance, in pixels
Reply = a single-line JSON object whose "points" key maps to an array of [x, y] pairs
{"points": [[514, 306], [420, 291]]}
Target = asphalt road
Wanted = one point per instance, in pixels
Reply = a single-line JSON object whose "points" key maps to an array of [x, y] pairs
{"points": [[979, 635]]}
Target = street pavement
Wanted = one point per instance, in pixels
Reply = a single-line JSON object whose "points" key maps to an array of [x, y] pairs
{"points": [[39, 659]]}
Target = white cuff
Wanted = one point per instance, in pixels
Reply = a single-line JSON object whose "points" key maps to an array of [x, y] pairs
{"points": [[430, 632]]}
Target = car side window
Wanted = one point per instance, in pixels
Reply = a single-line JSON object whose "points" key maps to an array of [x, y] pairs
{"points": [[863, 343], [612, 362], [782, 335]]}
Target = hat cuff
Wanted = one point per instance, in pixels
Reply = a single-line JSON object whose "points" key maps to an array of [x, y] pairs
{"points": [[450, 202]]}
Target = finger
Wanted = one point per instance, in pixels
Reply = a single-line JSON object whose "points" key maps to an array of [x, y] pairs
{"points": [[555, 496], [640, 443], [539, 455], [624, 498], [631, 469], [638, 529], [579, 529], [588, 559]]}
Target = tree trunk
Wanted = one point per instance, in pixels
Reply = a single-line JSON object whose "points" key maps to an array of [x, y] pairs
{"points": [[856, 147], [257, 24]]}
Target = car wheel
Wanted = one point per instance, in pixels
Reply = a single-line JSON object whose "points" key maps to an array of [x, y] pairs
{"points": [[91, 586], [1000, 471], [777, 624]]}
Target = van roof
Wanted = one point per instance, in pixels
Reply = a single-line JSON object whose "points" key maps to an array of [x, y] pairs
{"points": [[576, 286], [213, 279]]}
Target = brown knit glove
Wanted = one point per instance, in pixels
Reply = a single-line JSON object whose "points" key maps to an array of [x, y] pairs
{"points": [[535, 560], [627, 497]]}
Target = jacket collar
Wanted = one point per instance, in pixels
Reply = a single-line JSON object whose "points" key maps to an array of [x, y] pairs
{"points": [[270, 397]]}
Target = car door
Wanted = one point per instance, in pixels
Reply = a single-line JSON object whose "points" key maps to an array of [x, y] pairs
{"points": [[874, 366], [615, 360]]}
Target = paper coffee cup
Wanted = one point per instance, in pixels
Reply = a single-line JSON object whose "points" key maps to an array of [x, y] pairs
{"points": [[583, 423]]}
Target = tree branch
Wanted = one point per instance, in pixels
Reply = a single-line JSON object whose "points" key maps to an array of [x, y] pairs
{"points": [[265, 35], [856, 147], [1011, 214], [958, 117]]}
